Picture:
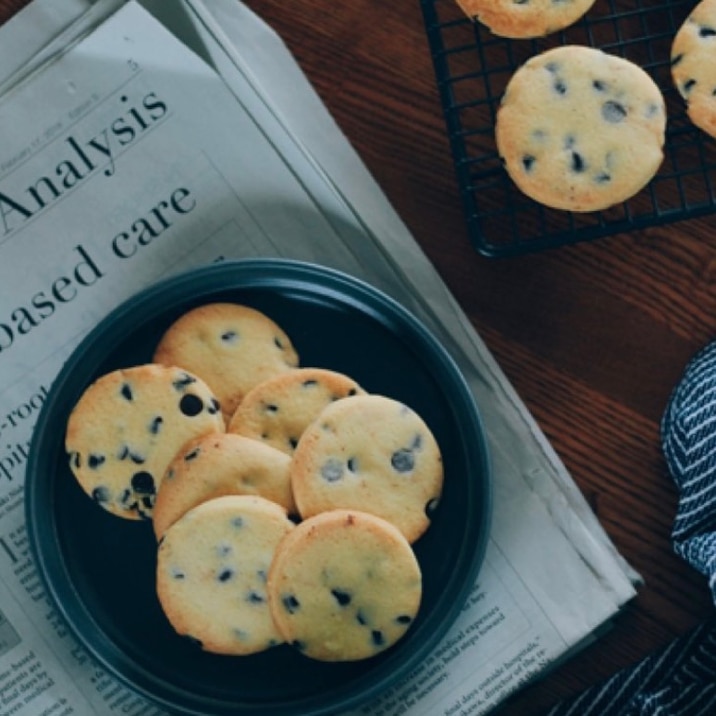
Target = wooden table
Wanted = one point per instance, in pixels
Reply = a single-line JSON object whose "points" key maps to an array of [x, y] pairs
{"points": [[594, 336]]}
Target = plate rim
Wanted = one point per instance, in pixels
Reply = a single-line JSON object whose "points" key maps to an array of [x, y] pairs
{"points": [[223, 277]]}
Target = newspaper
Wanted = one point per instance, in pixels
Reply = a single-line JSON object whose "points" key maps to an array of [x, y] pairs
{"points": [[142, 139]]}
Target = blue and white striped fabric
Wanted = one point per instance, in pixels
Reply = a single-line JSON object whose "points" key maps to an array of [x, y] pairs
{"points": [[679, 680]]}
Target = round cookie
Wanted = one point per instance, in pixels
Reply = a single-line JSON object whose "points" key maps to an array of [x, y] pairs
{"points": [[221, 464], [369, 453], [232, 347], [278, 410], [579, 129], [344, 585], [528, 18], [127, 427], [212, 567], [693, 65]]}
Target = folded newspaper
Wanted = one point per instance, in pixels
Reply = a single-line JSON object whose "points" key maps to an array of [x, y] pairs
{"points": [[144, 138]]}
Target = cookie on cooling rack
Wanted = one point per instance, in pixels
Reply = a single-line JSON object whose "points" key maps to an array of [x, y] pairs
{"points": [[580, 129], [526, 18], [693, 65]]}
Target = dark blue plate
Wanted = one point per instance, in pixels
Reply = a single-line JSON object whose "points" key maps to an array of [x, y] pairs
{"points": [[99, 569]]}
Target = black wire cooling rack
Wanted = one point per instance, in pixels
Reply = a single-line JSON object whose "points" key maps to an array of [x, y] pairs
{"points": [[472, 68]]}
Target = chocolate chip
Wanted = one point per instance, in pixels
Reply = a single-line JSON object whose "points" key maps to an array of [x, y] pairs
{"points": [[156, 424], [214, 407], [143, 483], [332, 470], [192, 455], [126, 454], [360, 618], [255, 598], [431, 507], [293, 443], [675, 60], [343, 598], [528, 162], [225, 575], [290, 604], [603, 178], [578, 163], [194, 641], [352, 464], [191, 405], [404, 619], [309, 383], [403, 460], [278, 343], [613, 112], [688, 85], [178, 574], [237, 522], [377, 637], [183, 381], [75, 459], [229, 336], [706, 32], [271, 408], [599, 85], [126, 391], [94, 461], [101, 494], [560, 87]]}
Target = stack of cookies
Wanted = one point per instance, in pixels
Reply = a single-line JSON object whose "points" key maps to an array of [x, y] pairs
{"points": [[285, 500], [579, 129]]}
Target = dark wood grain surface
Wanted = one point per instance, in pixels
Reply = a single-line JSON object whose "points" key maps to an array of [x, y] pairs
{"points": [[594, 336]]}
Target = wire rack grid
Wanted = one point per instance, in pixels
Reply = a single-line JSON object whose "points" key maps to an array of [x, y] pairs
{"points": [[472, 68]]}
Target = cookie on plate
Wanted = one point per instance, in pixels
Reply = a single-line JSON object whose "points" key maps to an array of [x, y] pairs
{"points": [[344, 585], [232, 347], [579, 129], [212, 567], [528, 18], [221, 464], [693, 65], [127, 427], [369, 453], [278, 410]]}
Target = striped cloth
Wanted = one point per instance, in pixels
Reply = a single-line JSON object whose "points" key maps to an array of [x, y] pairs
{"points": [[679, 680]]}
